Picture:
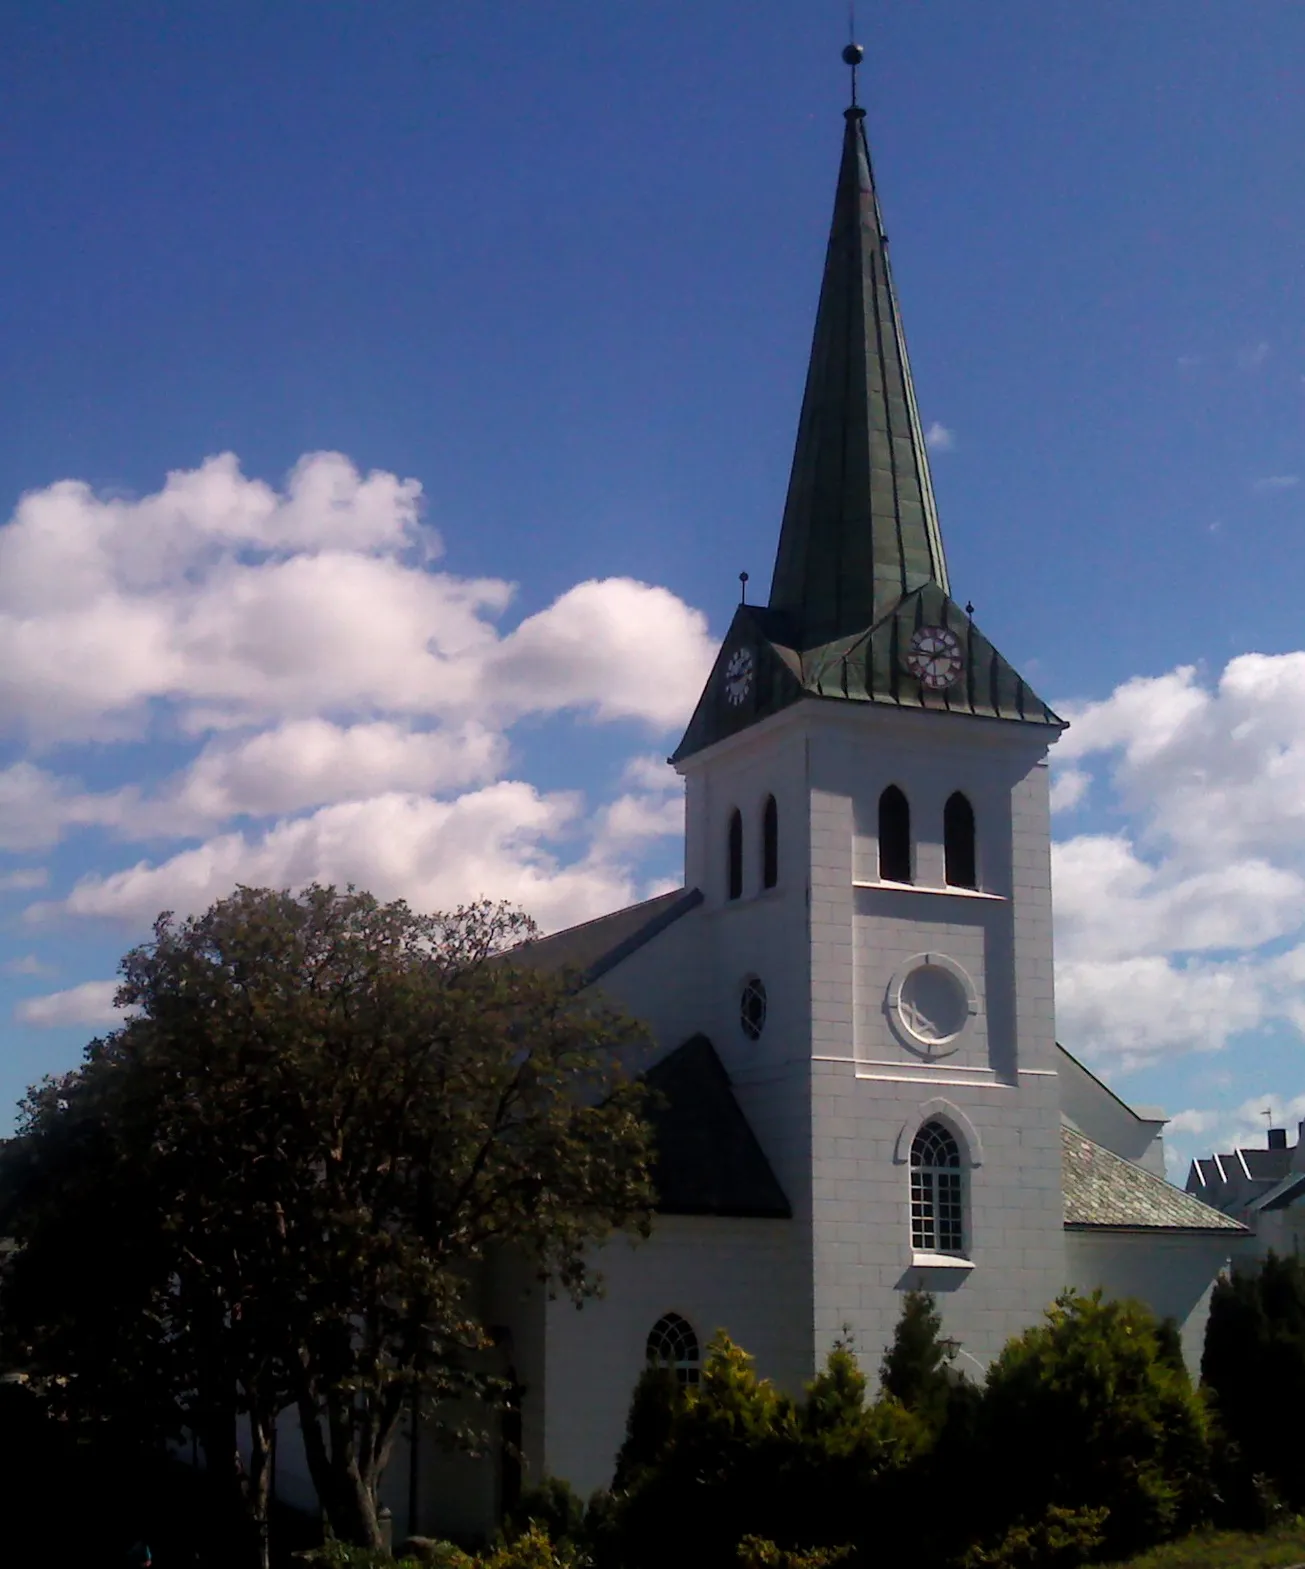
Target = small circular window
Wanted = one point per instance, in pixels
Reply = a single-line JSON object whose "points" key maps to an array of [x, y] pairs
{"points": [[933, 1005], [752, 1009]]}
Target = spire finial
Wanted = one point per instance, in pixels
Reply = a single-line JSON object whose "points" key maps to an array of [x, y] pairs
{"points": [[853, 54]]}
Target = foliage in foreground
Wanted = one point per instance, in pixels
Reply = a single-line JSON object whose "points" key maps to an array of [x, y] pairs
{"points": [[1254, 1367], [272, 1186], [1281, 1548], [1091, 1410], [733, 1460], [1085, 1440]]}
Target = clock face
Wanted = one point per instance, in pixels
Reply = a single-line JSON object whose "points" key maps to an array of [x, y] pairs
{"points": [[934, 658], [738, 676]]}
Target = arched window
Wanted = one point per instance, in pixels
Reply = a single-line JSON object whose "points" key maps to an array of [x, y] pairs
{"points": [[894, 837], [958, 843], [673, 1345], [937, 1221], [769, 843], [735, 852]]}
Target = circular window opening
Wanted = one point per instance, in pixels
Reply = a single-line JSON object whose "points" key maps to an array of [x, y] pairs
{"points": [[752, 1009], [933, 1004]]}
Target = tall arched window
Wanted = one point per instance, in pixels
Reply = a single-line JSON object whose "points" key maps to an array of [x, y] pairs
{"points": [[894, 836], [937, 1218], [673, 1345], [735, 855], [769, 843], [958, 843]]}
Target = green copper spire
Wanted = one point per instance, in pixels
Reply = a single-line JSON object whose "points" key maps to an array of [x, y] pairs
{"points": [[860, 529], [860, 596]]}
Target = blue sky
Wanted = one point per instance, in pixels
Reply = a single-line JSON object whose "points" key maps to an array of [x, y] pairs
{"points": [[556, 266]]}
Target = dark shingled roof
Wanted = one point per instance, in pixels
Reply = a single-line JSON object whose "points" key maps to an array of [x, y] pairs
{"points": [[1103, 1189], [708, 1159], [1265, 1165], [596, 946], [1286, 1196]]}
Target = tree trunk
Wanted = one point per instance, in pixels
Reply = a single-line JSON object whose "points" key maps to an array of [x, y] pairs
{"points": [[258, 1487], [347, 1501]]}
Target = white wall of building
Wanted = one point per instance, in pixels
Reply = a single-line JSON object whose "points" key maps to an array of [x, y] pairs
{"points": [[1101, 1116], [994, 1086], [1173, 1275], [738, 1275]]}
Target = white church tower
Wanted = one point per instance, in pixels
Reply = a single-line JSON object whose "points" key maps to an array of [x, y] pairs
{"points": [[867, 820]]}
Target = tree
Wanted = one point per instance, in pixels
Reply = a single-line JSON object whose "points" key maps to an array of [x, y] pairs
{"points": [[1087, 1411], [323, 1118], [1254, 1366], [917, 1367], [733, 1458]]}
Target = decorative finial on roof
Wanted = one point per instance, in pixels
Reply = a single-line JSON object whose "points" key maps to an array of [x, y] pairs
{"points": [[743, 588], [853, 54]]}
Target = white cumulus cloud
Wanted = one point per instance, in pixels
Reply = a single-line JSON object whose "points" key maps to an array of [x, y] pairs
{"points": [[506, 841], [1185, 927], [90, 1003], [234, 604]]}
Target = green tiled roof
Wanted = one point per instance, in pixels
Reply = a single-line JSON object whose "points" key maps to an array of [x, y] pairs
{"points": [[860, 527], [860, 566], [1103, 1190], [865, 668]]}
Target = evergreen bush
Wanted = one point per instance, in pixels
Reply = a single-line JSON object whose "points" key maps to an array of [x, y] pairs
{"points": [[1086, 1412], [1254, 1370], [731, 1460], [917, 1367]]}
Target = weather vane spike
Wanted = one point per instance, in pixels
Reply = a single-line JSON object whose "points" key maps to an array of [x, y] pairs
{"points": [[743, 588]]}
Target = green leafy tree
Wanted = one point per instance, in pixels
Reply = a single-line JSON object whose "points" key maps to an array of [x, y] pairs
{"points": [[1086, 1412], [324, 1115], [917, 1367], [1254, 1367]]}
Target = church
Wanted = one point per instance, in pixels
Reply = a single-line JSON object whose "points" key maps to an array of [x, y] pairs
{"points": [[851, 997]]}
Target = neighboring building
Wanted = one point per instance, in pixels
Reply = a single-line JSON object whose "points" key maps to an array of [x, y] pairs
{"points": [[853, 991], [1264, 1189]]}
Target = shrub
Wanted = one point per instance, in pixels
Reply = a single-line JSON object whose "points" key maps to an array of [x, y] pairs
{"points": [[733, 1459], [655, 1406], [917, 1367], [1059, 1539], [1254, 1369], [1086, 1412], [554, 1507], [530, 1550], [755, 1552]]}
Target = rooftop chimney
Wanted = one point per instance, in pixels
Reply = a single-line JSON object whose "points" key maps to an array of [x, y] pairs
{"points": [[1277, 1138]]}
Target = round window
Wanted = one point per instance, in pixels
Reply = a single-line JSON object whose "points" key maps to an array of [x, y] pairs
{"points": [[752, 1009], [933, 1005]]}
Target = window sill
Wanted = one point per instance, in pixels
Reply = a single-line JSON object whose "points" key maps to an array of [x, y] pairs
{"points": [[940, 1261], [949, 892]]}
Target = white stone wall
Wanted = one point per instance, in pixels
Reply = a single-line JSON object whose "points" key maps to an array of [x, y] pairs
{"points": [[740, 1275], [1095, 1111], [995, 1087], [1173, 1275]]}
